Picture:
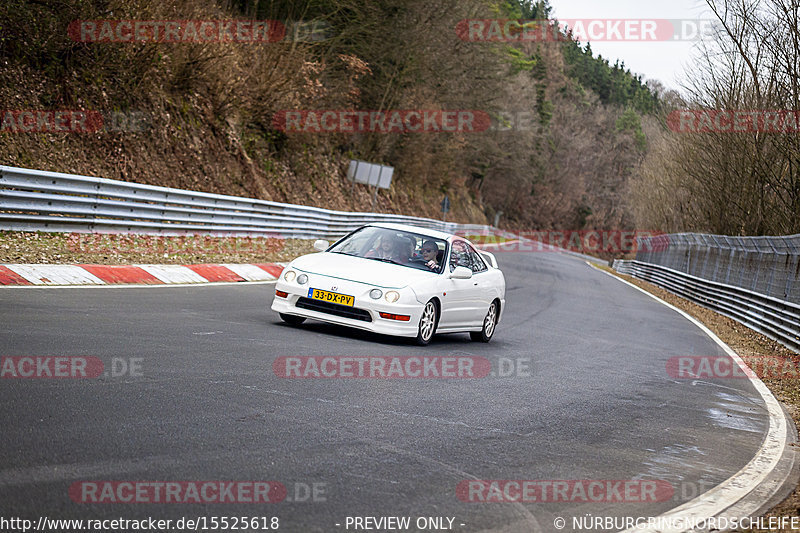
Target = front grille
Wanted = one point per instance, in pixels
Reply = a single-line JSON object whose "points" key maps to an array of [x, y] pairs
{"points": [[334, 309]]}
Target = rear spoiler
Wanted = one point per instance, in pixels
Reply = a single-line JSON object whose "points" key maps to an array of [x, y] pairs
{"points": [[489, 257]]}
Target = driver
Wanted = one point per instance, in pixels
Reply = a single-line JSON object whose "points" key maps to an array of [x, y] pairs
{"points": [[385, 249], [429, 251]]}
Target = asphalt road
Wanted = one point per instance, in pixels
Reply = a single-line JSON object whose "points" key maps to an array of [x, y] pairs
{"points": [[595, 403]]}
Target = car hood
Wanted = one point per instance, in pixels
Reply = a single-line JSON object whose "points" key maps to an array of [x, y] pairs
{"points": [[360, 270]]}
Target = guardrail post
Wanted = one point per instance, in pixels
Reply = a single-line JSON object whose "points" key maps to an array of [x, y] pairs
{"points": [[774, 267], [730, 266], [705, 263], [758, 271], [747, 258], [718, 252], [790, 279]]}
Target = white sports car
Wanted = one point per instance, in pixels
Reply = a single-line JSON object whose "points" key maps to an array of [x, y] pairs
{"points": [[397, 280]]}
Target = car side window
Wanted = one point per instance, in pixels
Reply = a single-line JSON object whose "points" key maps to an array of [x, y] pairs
{"points": [[459, 255], [478, 264]]}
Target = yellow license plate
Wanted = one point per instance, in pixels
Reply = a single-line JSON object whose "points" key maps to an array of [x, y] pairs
{"points": [[332, 297]]}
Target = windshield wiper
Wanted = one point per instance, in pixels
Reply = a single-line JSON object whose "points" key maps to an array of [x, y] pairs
{"points": [[385, 260], [345, 253]]}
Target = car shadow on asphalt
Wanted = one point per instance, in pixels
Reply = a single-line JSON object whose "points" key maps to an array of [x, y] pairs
{"points": [[343, 332]]}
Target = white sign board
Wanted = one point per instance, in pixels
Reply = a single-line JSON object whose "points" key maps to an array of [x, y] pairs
{"points": [[370, 174]]}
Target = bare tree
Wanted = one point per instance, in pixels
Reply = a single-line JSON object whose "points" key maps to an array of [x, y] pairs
{"points": [[745, 182]]}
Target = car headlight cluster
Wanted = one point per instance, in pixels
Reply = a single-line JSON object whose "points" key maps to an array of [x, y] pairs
{"points": [[291, 276], [391, 296]]}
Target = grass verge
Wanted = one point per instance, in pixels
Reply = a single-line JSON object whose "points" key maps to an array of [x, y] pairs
{"points": [[123, 249]]}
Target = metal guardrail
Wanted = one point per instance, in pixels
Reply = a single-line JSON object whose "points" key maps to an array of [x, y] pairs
{"points": [[775, 318], [32, 200], [766, 265]]}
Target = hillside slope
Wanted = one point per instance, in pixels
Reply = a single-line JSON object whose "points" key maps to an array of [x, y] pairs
{"points": [[201, 115]]}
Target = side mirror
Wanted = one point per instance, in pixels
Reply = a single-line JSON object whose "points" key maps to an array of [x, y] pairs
{"points": [[461, 273], [321, 245]]}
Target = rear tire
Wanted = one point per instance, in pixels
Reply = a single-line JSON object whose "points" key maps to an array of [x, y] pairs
{"points": [[428, 323], [294, 320], [489, 324]]}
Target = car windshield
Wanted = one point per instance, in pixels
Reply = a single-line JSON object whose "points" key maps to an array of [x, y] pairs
{"points": [[399, 247]]}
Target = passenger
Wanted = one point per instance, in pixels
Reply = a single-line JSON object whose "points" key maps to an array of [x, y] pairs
{"points": [[429, 254], [384, 249], [406, 247]]}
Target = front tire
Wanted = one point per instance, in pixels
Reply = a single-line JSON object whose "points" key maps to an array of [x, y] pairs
{"points": [[427, 323], [293, 320], [489, 324]]}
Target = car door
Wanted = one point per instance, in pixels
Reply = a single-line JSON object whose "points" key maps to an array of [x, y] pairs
{"points": [[458, 306], [482, 286]]}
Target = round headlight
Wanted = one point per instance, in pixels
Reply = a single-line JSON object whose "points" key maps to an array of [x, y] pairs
{"points": [[375, 294], [392, 296], [302, 279], [290, 275]]}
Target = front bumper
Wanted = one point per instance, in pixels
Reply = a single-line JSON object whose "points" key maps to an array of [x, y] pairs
{"points": [[406, 305]]}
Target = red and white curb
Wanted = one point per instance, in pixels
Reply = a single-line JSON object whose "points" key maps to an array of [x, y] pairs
{"points": [[59, 275]]}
